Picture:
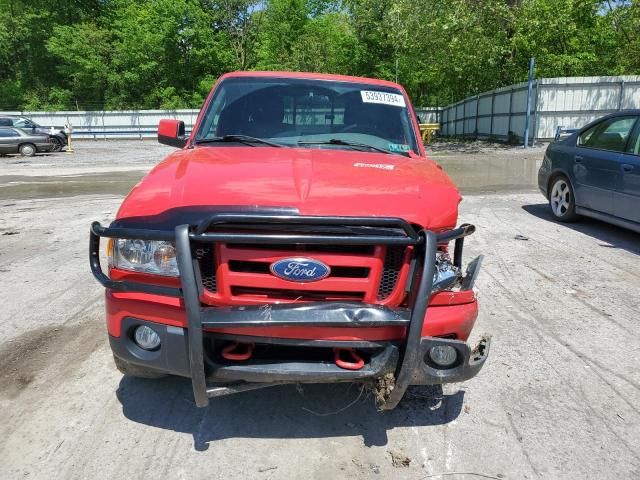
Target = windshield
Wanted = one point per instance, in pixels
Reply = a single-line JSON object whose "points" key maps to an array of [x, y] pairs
{"points": [[309, 114]]}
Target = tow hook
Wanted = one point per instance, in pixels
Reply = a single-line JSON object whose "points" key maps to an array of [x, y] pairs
{"points": [[355, 361], [237, 351]]}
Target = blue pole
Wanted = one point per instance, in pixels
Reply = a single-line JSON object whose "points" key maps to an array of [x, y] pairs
{"points": [[529, 89]]}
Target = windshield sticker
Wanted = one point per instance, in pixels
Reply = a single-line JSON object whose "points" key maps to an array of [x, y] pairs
{"points": [[399, 147], [383, 98], [379, 166]]}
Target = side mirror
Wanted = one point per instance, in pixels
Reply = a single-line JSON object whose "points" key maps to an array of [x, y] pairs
{"points": [[171, 132]]}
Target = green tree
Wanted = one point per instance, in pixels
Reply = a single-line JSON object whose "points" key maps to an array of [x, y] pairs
{"points": [[167, 53], [282, 23], [83, 53]]}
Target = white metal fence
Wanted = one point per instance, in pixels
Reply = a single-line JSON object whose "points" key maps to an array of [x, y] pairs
{"points": [[122, 124], [570, 102]]}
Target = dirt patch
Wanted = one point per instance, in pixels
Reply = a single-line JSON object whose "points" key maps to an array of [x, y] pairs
{"points": [[55, 350], [383, 388], [399, 459]]}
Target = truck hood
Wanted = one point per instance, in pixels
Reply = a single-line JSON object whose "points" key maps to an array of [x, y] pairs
{"points": [[314, 181]]}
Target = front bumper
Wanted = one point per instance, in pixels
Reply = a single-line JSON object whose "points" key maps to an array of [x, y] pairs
{"points": [[44, 147], [173, 358], [190, 352]]}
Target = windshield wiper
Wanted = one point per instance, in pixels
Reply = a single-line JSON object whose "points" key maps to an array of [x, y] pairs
{"points": [[337, 141], [238, 138]]}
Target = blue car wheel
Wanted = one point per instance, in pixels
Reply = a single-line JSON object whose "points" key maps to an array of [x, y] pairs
{"points": [[561, 199]]}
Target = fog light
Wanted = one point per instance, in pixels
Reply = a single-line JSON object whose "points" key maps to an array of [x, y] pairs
{"points": [[443, 355], [146, 337]]}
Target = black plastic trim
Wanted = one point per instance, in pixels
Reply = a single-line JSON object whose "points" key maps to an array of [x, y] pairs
{"points": [[410, 353], [469, 363], [473, 269], [171, 357], [120, 286], [257, 219], [192, 307]]}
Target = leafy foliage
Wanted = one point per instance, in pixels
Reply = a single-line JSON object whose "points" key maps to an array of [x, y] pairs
{"points": [[93, 54]]}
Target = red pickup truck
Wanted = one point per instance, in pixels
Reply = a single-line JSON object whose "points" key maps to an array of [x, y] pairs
{"points": [[299, 235]]}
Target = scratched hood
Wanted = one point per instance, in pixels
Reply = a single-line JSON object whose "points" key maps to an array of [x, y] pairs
{"points": [[314, 181]]}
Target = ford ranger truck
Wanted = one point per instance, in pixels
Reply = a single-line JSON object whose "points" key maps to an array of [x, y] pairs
{"points": [[299, 235]]}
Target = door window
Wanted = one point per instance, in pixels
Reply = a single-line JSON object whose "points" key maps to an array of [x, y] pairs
{"points": [[23, 123], [609, 135], [6, 132]]}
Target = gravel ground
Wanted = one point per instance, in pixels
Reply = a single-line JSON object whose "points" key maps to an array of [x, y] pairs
{"points": [[558, 398]]}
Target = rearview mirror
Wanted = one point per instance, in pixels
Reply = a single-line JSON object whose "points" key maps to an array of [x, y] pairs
{"points": [[171, 132]]}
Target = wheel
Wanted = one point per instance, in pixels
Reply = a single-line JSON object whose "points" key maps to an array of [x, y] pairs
{"points": [[561, 200], [27, 150], [57, 144], [132, 370]]}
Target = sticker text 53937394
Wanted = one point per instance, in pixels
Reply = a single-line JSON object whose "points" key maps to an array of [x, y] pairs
{"points": [[384, 98]]}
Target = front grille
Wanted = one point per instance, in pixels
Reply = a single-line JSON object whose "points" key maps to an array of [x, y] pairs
{"points": [[393, 261], [207, 261], [237, 274], [264, 268]]}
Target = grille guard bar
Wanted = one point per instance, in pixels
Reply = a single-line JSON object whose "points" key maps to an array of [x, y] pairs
{"points": [[400, 232]]}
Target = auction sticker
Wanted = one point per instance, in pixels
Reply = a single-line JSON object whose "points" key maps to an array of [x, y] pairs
{"points": [[383, 98]]}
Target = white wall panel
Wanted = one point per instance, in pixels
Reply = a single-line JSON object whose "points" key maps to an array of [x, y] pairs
{"points": [[569, 102]]}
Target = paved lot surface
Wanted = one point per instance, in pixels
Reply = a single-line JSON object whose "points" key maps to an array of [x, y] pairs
{"points": [[558, 398]]}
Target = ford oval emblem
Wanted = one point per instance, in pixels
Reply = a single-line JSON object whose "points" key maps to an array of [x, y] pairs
{"points": [[300, 269]]}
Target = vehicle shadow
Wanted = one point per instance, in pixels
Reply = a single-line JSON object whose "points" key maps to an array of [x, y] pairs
{"points": [[285, 411], [609, 236]]}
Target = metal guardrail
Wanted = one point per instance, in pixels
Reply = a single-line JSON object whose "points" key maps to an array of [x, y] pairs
{"points": [[109, 124], [84, 134], [97, 134]]}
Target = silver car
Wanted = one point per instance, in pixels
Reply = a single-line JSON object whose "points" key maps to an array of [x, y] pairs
{"points": [[15, 140]]}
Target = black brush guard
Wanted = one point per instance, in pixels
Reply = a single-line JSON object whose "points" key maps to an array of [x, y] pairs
{"points": [[311, 230]]}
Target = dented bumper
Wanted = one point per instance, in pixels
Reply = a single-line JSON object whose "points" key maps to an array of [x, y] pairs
{"points": [[469, 361], [383, 359], [191, 351]]}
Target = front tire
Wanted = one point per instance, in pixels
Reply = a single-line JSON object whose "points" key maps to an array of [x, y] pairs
{"points": [[137, 371], [57, 144], [561, 200], [27, 150]]}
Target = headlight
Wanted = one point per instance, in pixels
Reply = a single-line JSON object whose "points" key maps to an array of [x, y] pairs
{"points": [[446, 275], [145, 256]]}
